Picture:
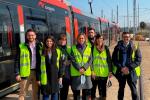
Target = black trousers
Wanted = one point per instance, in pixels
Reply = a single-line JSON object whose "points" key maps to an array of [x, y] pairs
{"points": [[86, 94], [132, 84], [101, 83], [64, 90]]}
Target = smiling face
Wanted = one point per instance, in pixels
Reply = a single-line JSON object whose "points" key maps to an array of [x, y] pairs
{"points": [[31, 36], [63, 41], [126, 38], [91, 33], [49, 43], [100, 40], [81, 39]]}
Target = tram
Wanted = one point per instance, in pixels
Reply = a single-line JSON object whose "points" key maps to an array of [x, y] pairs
{"points": [[45, 17]]}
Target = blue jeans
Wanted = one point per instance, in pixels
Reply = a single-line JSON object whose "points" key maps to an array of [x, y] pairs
{"points": [[54, 96]]}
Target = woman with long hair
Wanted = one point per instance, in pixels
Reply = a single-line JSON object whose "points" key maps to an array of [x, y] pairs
{"points": [[50, 75]]}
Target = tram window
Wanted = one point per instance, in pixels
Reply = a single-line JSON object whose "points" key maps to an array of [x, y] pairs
{"points": [[36, 20], [96, 26], [56, 25], [7, 36], [82, 25], [104, 27], [40, 28]]}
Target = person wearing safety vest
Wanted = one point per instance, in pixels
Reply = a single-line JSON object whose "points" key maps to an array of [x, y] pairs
{"points": [[26, 64], [67, 64], [101, 67], [81, 68], [127, 59], [91, 37], [49, 70]]}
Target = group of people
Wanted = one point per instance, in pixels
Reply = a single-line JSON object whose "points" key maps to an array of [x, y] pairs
{"points": [[51, 67]]}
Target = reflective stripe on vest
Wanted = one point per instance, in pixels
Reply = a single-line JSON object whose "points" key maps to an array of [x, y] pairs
{"points": [[43, 71], [100, 64], [58, 56], [24, 61], [81, 61], [137, 69], [43, 67]]}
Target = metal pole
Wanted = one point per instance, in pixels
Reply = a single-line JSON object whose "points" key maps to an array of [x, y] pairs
{"points": [[130, 24], [102, 13], [134, 15], [138, 18], [112, 15], [149, 38], [127, 17], [118, 35], [90, 3], [124, 23], [141, 97], [117, 14]]}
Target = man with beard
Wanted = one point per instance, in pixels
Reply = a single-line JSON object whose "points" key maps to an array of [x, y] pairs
{"points": [[91, 37]]}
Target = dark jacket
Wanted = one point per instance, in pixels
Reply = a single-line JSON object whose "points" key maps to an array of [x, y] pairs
{"points": [[66, 61], [17, 58], [91, 41], [117, 56], [53, 73]]}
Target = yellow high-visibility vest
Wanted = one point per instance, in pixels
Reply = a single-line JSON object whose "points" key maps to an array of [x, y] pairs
{"points": [[24, 60], [43, 76], [81, 60], [100, 65]]}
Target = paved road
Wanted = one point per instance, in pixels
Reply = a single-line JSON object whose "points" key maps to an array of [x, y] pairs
{"points": [[112, 91]]}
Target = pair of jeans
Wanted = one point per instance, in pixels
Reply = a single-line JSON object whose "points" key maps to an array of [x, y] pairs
{"points": [[132, 84], [53, 96]]}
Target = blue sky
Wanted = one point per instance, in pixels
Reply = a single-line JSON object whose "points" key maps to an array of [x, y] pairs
{"points": [[109, 5]]}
